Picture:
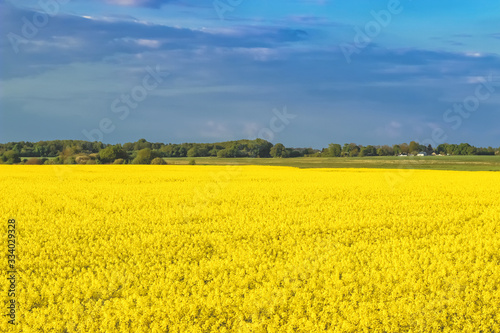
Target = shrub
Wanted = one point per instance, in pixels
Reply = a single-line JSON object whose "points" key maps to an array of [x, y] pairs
{"points": [[82, 159], [119, 161], [112, 153], [192, 162], [158, 161], [70, 160], [144, 156], [11, 157], [34, 161]]}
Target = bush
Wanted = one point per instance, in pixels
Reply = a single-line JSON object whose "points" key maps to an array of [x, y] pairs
{"points": [[34, 161], [112, 153], [11, 157], [158, 161], [192, 162], [119, 161], [91, 161], [144, 156], [70, 160], [82, 159]]}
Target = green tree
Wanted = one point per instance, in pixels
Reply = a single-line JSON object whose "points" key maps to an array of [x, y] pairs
{"points": [[129, 146], [263, 147], [346, 149], [213, 152], [197, 151], [385, 151], [414, 147], [450, 149], [11, 157], [224, 153], [429, 150], [111, 153], [233, 151], [142, 144], [144, 156], [334, 150], [354, 150], [441, 149], [368, 151], [405, 149], [278, 151]]}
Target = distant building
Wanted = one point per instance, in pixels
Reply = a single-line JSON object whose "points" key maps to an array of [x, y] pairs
{"points": [[422, 153]]}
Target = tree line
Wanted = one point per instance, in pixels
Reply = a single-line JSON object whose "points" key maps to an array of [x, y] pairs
{"points": [[413, 148], [144, 152]]}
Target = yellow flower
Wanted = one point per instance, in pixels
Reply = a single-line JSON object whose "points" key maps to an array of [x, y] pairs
{"points": [[264, 249]]}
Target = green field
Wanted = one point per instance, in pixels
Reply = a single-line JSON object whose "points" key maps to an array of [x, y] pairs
{"points": [[462, 163], [459, 163]]}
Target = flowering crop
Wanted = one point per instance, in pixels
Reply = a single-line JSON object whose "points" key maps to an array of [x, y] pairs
{"points": [[253, 249]]}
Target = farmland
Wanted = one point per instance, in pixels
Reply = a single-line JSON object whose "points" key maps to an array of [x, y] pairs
{"points": [[457, 163], [211, 248]]}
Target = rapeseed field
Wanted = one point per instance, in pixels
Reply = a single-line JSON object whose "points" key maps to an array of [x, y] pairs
{"points": [[252, 249]]}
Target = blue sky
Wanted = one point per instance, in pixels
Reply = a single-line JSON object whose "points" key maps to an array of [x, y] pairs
{"points": [[301, 72]]}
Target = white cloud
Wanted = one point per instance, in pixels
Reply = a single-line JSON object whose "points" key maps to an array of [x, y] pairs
{"points": [[148, 43]]}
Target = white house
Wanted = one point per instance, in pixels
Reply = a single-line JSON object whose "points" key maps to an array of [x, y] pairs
{"points": [[422, 153]]}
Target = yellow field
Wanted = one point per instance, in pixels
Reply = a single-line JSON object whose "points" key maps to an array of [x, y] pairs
{"points": [[252, 249]]}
